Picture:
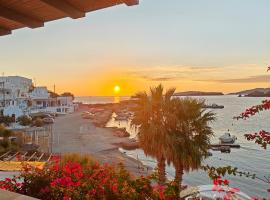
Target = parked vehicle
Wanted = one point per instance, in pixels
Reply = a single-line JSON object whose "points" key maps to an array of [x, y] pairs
{"points": [[48, 116], [48, 120], [87, 115]]}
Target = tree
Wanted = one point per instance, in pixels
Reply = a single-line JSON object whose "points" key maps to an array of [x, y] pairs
{"points": [[24, 120], [53, 94], [68, 94], [173, 130], [189, 135], [150, 121]]}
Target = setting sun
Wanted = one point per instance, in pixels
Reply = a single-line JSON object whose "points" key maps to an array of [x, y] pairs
{"points": [[116, 89]]}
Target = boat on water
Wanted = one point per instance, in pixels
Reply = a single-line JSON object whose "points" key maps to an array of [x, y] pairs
{"points": [[214, 106], [227, 138]]}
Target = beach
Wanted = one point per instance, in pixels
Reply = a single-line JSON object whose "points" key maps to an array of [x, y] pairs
{"points": [[72, 133]]}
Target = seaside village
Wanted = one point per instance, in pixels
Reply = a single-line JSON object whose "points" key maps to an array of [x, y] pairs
{"points": [[159, 143], [26, 115]]}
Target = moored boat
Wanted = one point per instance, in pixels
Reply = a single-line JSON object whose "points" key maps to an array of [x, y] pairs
{"points": [[227, 138]]}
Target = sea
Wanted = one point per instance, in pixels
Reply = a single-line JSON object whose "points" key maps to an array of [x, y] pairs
{"points": [[249, 158]]}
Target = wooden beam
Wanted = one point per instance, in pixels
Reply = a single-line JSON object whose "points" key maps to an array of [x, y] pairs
{"points": [[40, 157], [2, 156], [29, 159], [131, 2], [65, 7], [20, 18], [11, 157], [4, 31]]}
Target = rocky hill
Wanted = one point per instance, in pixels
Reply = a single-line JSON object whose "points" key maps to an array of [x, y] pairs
{"points": [[256, 92], [198, 93]]}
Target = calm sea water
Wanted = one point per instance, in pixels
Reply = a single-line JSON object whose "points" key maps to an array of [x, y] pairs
{"points": [[100, 99], [250, 157]]}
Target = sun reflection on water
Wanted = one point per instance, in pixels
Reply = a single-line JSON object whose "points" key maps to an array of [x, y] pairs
{"points": [[116, 99]]}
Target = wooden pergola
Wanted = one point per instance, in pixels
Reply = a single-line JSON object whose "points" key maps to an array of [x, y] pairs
{"points": [[16, 14]]}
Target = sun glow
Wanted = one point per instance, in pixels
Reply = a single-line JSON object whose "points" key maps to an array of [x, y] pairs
{"points": [[116, 89]]}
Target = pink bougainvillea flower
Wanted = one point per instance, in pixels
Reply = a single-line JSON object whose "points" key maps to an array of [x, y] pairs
{"points": [[66, 197], [226, 182]]}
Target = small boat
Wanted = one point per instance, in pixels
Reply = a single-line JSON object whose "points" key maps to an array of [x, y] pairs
{"points": [[214, 106], [227, 138]]}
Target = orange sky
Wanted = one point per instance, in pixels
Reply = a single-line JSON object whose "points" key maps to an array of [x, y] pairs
{"points": [[190, 45], [132, 80]]}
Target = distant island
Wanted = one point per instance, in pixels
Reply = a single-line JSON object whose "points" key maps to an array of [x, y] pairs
{"points": [[256, 92], [198, 93]]}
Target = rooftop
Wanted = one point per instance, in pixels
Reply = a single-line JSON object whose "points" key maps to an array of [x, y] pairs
{"points": [[16, 14]]}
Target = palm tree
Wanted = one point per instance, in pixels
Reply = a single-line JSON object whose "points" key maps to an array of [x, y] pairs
{"points": [[173, 130], [150, 120], [189, 135]]}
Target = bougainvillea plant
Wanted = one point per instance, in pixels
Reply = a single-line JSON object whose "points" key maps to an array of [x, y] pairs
{"points": [[97, 181], [262, 138]]}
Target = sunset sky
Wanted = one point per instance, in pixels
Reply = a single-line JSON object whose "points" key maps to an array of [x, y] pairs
{"points": [[209, 45]]}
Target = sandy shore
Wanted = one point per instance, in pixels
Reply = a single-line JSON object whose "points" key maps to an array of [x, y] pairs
{"points": [[71, 133]]}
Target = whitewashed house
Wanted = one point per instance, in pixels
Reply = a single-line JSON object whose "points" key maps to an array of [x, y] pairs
{"points": [[65, 104], [43, 102], [18, 97], [14, 95]]}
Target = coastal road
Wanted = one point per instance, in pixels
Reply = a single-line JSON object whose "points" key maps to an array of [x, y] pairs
{"points": [[72, 134]]}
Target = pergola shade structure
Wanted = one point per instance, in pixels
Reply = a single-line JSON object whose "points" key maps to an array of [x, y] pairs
{"points": [[16, 14]]}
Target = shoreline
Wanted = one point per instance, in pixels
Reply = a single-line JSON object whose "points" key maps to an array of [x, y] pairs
{"points": [[72, 133]]}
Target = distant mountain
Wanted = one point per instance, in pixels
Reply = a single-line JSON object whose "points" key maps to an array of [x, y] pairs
{"points": [[253, 92], [198, 93], [258, 94]]}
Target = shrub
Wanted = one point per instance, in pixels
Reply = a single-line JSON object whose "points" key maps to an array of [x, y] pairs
{"points": [[6, 120], [84, 160], [75, 181], [5, 143], [24, 120]]}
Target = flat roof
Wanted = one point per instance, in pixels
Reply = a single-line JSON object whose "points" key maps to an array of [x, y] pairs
{"points": [[16, 14]]}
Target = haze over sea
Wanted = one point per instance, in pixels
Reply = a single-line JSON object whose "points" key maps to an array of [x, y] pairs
{"points": [[250, 157]]}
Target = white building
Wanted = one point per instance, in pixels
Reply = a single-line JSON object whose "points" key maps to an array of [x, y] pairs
{"points": [[66, 104], [18, 97], [14, 94], [43, 102]]}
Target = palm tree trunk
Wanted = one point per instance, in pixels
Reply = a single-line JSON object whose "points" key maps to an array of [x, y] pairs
{"points": [[178, 178], [161, 170]]}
